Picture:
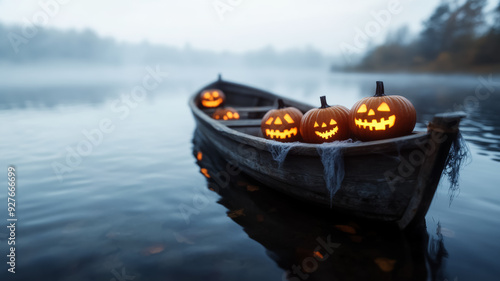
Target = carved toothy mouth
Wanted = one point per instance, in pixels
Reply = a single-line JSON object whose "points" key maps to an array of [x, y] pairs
{"points": [[281, 135], [377, 125], [214, 103], [328, 134]]}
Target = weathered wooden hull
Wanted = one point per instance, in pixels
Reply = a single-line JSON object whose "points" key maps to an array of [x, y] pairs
{"points": [[391, 180], [291, 232]]}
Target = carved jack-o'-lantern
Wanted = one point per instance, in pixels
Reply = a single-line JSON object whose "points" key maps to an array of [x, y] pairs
{"points": [[381, 117], [282, 124], [212, 98], [226, 113], [325, 124]]}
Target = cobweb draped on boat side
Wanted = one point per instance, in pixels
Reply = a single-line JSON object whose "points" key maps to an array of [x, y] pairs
{"points": [[459, 155], [332, 157], [279, 150]]}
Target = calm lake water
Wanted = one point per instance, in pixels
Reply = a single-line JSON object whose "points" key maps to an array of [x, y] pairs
{"points": [[134, 206]]}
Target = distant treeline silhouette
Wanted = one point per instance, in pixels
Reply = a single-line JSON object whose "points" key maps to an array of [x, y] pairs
{"points": [[52, 44], [459, 36]]}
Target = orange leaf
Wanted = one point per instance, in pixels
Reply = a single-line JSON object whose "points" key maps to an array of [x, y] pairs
{"points": [[154, 250], [318, 254], [385, 264], [346, 229], [236, 213], [204, 171], [356, 238], [252, 188]]}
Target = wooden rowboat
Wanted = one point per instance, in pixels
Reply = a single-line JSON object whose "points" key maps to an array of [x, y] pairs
{"points": [[391, 180]]}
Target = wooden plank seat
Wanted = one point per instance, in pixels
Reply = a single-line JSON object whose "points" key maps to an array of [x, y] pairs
{"points": [[243, 109], [241, 123]]}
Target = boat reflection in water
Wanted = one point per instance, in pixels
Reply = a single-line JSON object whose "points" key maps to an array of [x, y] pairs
{"points": [[311, 243]]}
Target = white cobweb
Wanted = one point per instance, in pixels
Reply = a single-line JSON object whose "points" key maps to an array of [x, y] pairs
{"points": [[458, 156], [332, 157], [279, 150]]}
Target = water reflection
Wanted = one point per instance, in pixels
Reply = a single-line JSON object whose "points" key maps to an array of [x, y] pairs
{"points": [[308, 243]]}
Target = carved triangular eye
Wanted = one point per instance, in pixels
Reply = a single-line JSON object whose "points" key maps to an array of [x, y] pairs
{"points": [[206, 95], [288, 119], [269, 121], [384, 107], [333, 122], [362, 109], [215, 94], [316, 124], [278, 121]]}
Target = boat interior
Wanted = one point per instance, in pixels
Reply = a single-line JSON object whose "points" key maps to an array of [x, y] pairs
{"points": [[251, 105]]}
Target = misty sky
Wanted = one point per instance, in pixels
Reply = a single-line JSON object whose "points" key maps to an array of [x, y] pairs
{"points": [[250, 24]]}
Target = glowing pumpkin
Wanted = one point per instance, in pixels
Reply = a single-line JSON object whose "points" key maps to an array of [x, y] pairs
{"points": [[212, 98], [226, 113], [382, 117], [325, 124], [282, 124]]}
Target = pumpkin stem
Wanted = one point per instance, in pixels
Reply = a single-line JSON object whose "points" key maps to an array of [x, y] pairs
{"points": [[380, 89], [323, 102], [281, 104]]}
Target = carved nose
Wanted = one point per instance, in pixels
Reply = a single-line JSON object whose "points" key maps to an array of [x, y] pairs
{"points": [[371, 112]]}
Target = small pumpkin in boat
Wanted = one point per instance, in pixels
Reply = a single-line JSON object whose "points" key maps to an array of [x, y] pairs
{"points": [[212, 98], [282, 124], [382, 117], [325, 124], [226, 113]]}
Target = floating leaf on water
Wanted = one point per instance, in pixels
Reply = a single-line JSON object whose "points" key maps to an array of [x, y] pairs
{"points": [[260, 218], [236, 213], [346, 229], [242, 183], [252, 188], [204, 171], [318, 254], [154, 250], [356, 238], [385, 264]]}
